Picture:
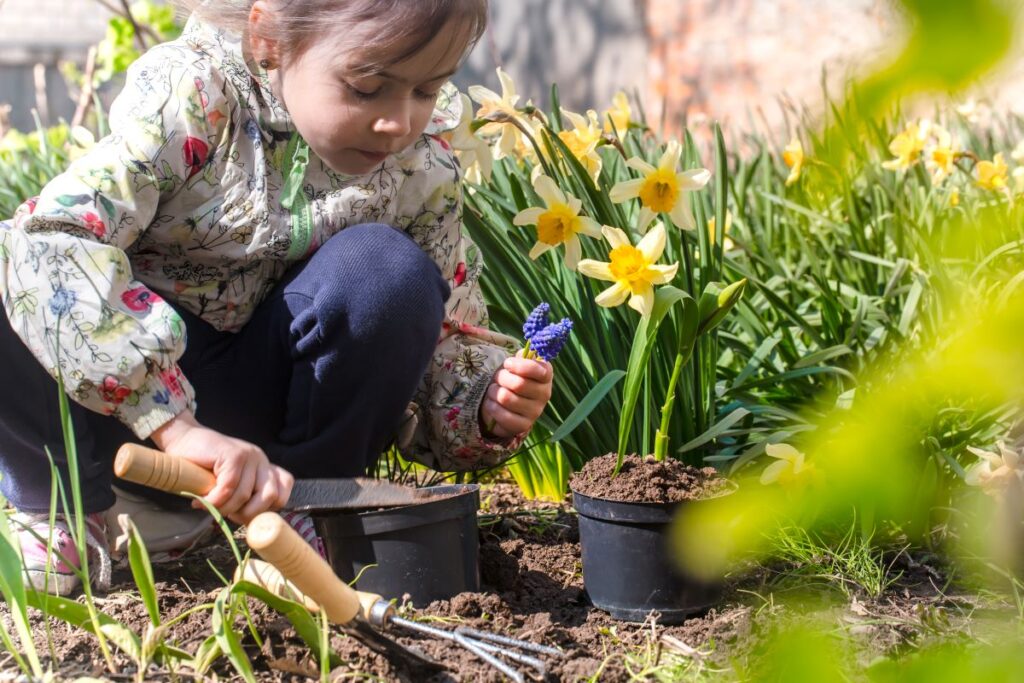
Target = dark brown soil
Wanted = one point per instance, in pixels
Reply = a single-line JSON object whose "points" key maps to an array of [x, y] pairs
{"points": [[647, 480], [532, 589]]}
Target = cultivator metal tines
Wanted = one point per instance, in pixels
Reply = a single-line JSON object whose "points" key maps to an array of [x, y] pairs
{"points": [[487, 646]]}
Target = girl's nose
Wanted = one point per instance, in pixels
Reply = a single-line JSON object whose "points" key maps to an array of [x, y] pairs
{"points": [[395, 123]]}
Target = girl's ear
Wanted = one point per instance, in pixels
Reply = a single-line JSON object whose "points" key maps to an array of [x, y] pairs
{"points": [[266, 49]]}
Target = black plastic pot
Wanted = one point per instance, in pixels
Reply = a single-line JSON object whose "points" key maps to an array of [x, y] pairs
{"points": [[429, 550], [628, 569]]}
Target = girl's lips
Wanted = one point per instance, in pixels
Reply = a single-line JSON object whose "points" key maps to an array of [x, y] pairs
{"points": [[375, 157]]}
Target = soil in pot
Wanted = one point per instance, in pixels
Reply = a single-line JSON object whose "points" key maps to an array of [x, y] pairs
{"points": [[645, 480], [630, 568]]}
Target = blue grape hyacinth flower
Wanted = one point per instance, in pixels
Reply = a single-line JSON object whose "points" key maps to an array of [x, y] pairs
{"points": [[544, 339], [536, 321]]}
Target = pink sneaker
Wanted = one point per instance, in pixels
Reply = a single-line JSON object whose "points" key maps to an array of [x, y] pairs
{"points": [[303, 524], [41, 546]]}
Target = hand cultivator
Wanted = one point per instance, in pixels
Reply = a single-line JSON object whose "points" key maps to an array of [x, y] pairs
{"points": [[294, 570]]}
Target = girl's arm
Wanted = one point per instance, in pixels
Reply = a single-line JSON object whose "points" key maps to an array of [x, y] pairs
{"points": [[65, 277]]}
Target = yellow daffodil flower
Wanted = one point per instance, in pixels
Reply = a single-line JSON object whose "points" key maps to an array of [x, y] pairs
{"points": [[995, 471], [558, 223], [634, 270], [727, 243], [583, 139], [474, 152], [790, 468], [505, 104], [793, 155], [940, 159], [663, 189], [617, 118], [993, 175], [907, 147], [954, 197]]}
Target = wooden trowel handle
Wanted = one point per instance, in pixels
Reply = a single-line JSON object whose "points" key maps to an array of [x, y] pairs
{"points": [[159, 470], [280, 545]]}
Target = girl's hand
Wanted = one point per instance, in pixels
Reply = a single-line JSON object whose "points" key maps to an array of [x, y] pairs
{"points": [[516, 398], [247, 483]]}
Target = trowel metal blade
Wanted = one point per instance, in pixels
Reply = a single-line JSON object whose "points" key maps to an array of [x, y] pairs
{"points": [[349, 494]]}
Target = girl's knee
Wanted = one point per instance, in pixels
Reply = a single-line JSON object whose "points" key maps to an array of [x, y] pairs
{"points": [[375, 281]]}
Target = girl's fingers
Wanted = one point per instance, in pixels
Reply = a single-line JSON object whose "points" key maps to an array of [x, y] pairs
{"points": [[243, 491], [536, 370], [523, 386], [285, 483], [227, 482], [265, 494], [506, 423], [527, 407]]}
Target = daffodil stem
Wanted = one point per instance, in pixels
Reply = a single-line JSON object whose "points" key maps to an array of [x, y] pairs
{"points": [[661, 438]]}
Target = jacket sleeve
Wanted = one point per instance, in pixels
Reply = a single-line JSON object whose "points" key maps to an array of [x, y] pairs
{"points": [[447, 435], [65, 277]]}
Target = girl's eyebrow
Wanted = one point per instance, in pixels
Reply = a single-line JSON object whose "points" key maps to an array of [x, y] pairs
{"points": [[399, 79]]}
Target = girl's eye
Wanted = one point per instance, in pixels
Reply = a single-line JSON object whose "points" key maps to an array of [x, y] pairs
{"points": [[426, 95], [361, 94]]}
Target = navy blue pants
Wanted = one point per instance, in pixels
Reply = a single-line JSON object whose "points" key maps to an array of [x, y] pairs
{"points": [[319, 378]]}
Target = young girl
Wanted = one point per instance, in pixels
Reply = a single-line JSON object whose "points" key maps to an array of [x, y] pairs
{"points": [[260, 267]]}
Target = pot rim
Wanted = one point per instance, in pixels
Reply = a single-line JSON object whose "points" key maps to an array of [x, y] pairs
{"points": [[464, 501], [732, 486]]}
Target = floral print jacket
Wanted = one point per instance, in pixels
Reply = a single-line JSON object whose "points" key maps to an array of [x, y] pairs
{"points": [[203, 195]]}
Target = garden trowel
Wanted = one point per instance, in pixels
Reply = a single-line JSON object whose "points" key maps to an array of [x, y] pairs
{"points": [[176, 475]]}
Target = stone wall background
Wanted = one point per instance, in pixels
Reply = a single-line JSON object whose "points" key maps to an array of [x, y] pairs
{"points": [[44, 32], [729, 60]]}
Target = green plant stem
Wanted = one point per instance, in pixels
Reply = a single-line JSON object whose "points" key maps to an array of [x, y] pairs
{"points": [[78, 526], [661, 438]]}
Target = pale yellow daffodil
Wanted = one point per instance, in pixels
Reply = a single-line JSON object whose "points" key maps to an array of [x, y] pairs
{"points": [[727, 243], [662, 189], [973, 111], [940, 157], [1018, 179], [993, 175], [582, 140], [473, 151], [907, 147], [1018, 152], [790, 468], [995, 471], [793, 155], [633, 269], [503, 105], [617, 119], [559, 222]]}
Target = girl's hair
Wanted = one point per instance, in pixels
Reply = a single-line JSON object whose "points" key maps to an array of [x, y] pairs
{"points": [[377, 24]]}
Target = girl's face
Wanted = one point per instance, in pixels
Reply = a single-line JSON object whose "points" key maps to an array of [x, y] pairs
{"points": [[354, 120]]}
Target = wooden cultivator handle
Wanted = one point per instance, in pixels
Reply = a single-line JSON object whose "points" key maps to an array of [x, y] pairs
{"points": [[280, 545], [266, 575], [159, 470]]}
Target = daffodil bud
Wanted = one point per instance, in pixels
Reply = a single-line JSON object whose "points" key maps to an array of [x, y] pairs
{"points": [[716, 302]]}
